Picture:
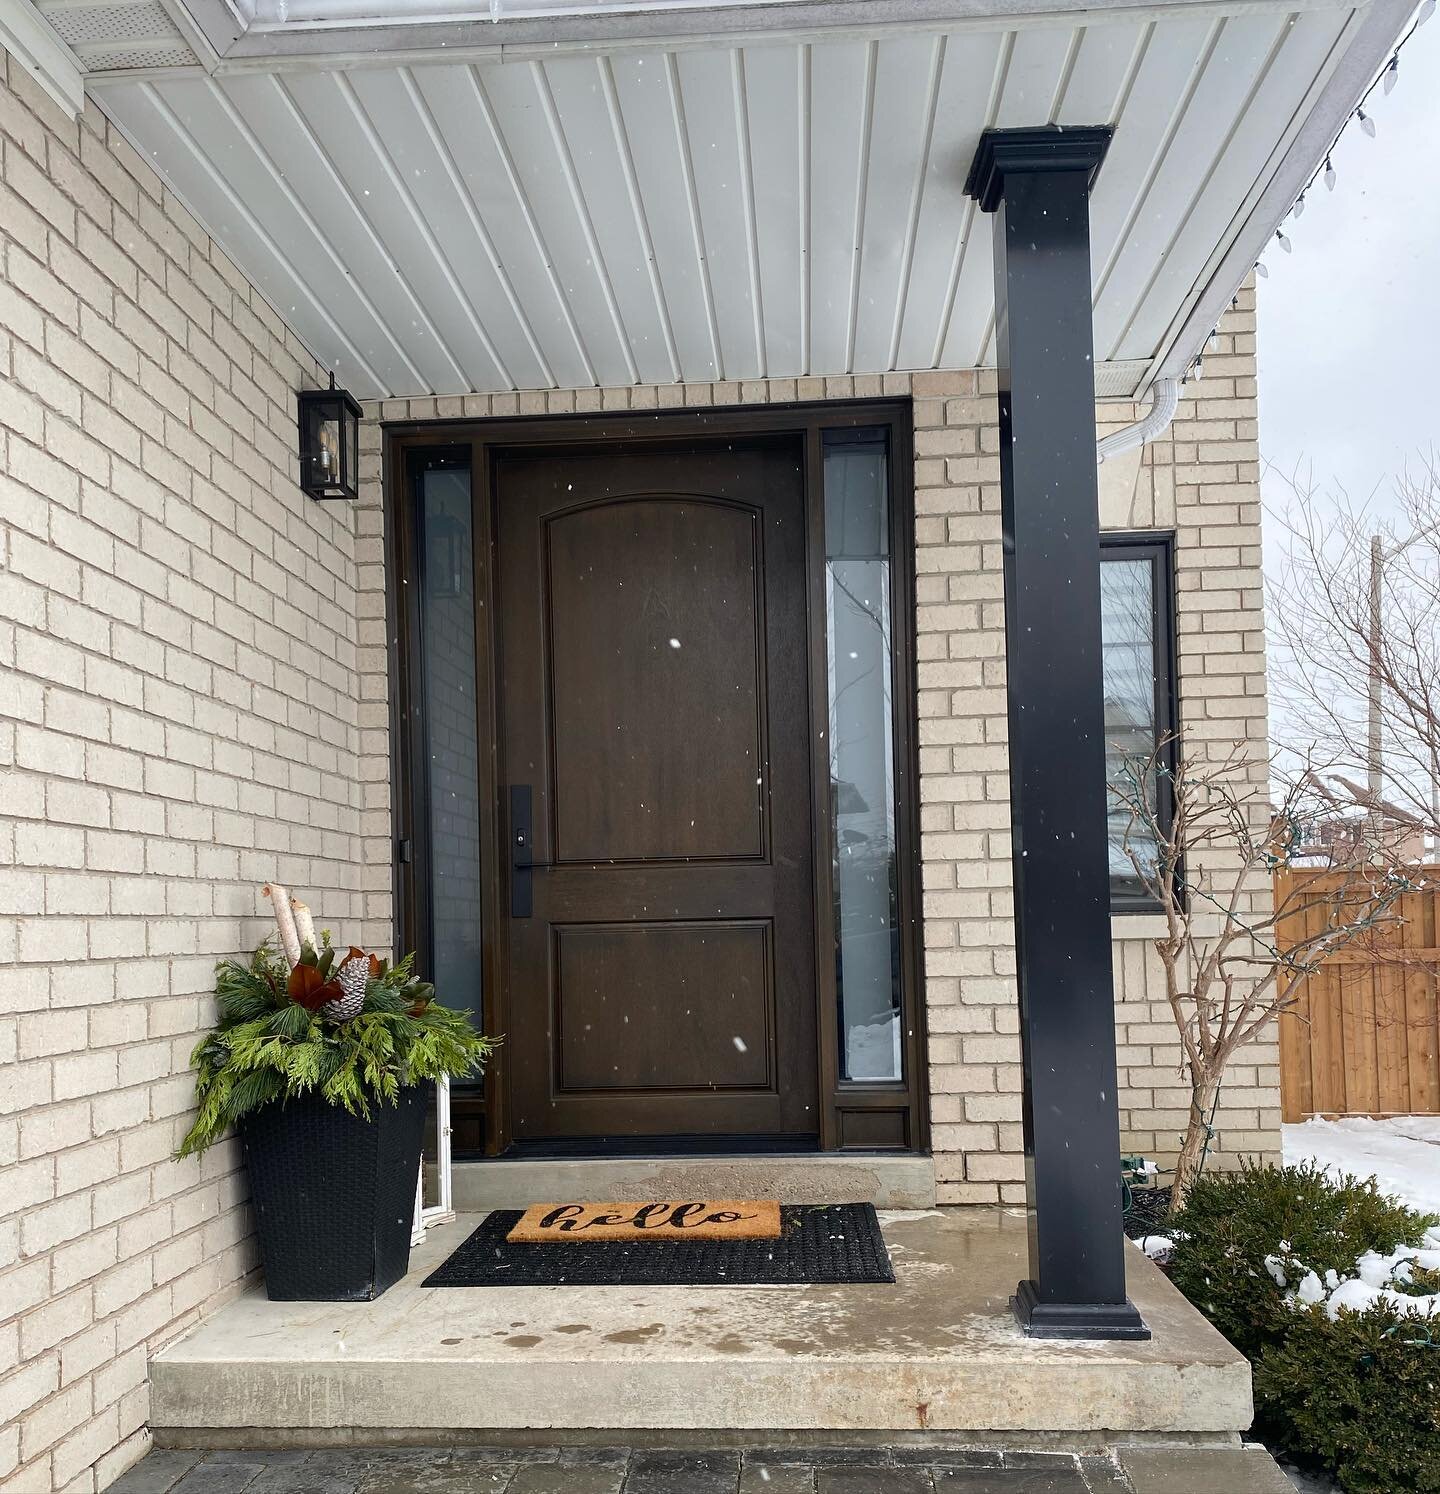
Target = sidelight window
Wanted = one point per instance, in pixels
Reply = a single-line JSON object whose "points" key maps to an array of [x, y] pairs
{"points": [[449, 729], [861, 734]]}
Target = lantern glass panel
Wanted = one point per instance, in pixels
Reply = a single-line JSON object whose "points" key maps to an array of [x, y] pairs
{"points": [[327, 456]]}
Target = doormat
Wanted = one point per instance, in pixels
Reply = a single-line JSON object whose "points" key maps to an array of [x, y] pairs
{"points": [[701, 1219], [819, 1244]]}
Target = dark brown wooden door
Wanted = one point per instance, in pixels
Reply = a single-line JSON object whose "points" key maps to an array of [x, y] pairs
{"points": [[654, 705]]}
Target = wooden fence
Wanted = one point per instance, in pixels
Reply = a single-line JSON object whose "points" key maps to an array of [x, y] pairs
{"points": [[1363, 1038]]}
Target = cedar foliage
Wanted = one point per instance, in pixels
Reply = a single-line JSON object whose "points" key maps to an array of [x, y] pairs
{"points": [[267, 1047], [1357, 1395]]}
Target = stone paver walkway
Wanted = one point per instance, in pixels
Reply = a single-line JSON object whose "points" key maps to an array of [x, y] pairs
{"points": [[576, 1470]]}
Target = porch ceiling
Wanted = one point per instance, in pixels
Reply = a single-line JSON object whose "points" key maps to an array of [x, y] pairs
{"points": [[500, 215]]}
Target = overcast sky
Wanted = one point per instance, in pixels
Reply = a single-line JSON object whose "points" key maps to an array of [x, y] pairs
{"points": [[1349, 324]]}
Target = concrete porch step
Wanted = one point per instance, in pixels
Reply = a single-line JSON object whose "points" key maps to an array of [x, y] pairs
{"points": [[938, 1352], [901, 1181]]}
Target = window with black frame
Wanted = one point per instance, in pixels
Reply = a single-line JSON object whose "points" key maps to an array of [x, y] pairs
{"points": [[1136, 610]]}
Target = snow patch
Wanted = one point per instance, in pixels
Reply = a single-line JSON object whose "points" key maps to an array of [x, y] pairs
{"points": [[1402, 1153]]}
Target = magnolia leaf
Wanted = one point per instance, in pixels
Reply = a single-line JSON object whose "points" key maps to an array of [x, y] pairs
{"points": [[310, 988]]}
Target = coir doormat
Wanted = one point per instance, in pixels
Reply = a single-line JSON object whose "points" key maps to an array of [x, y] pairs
{"points": [[818, 1244], [697, 1219]]}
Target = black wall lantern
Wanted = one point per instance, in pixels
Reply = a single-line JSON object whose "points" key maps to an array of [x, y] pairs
{"points": [[329, 443]]}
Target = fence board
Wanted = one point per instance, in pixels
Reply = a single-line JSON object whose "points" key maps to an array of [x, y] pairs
{"points": [[1364, 1035]]}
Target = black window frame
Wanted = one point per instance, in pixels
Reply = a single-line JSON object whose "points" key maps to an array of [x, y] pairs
{"points": [[1159, 550]]}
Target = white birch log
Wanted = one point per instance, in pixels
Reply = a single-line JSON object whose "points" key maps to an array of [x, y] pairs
{"points": [[304, 924], [285, 921]]}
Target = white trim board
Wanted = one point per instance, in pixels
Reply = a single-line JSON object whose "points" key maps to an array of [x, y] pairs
{"points": [[32, 41]]}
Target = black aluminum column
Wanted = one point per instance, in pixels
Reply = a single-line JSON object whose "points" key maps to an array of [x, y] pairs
{"points": [[1037, 184]]}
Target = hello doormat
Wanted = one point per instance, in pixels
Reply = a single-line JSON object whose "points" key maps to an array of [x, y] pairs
{"points": [[818, 1244], [702, 1219]]}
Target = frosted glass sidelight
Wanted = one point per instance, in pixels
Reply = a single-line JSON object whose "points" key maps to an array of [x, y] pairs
{"points": [[862, 754]]}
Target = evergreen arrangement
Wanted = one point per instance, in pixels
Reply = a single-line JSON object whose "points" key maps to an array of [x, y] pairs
{"points": [[354, 1028]]}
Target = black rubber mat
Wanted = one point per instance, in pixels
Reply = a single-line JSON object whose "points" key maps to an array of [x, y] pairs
{"points": [[818, 1244]]}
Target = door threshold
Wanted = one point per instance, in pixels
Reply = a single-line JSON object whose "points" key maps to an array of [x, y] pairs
{"points": [[659, 1146], [899, 1180]]}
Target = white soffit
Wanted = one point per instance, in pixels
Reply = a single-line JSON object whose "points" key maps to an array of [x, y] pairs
{"points": [[740, 207]]}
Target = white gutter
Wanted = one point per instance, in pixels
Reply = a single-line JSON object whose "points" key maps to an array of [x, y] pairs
{"points": [[1164, 397]]}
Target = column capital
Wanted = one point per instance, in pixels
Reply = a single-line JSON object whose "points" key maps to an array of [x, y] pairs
{"points": [[1049, 148]]}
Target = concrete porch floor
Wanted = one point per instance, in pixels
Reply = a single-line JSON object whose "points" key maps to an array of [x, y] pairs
{"points": [[938, 1352]]}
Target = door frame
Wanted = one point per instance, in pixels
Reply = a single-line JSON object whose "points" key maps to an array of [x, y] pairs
{"points": [[855, 1116]]}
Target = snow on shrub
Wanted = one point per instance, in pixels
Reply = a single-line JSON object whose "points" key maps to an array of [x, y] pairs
{"points": [[1389, 1279]]}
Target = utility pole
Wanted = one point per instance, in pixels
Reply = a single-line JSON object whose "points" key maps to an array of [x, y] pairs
{"points": [[1374, 751]]}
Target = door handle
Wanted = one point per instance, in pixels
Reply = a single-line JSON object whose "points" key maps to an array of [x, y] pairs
{"points": [[522, 858]]}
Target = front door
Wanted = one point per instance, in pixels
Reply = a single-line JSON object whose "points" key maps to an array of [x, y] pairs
{"points": [[653, 730]]}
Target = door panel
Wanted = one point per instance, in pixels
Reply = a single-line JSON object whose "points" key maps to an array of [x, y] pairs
{"points": [[694, 999], [654, 699], [657, 666]]}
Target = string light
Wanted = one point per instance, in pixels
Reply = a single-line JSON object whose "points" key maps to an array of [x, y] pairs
{"points": [[1385, 81]]}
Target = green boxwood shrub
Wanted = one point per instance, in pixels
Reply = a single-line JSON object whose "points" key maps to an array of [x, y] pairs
{"points": [[1233, 1220], [1358, 1395]]}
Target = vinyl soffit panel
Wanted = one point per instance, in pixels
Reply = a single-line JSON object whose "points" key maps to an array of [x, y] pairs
{"points": [[691, 213]]}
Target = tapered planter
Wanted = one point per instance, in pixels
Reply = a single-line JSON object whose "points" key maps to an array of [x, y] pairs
{"points": [[334, 1195]]}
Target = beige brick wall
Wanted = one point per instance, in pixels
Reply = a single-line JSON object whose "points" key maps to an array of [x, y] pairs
{"points": [[1200, 480], [179, 721]]}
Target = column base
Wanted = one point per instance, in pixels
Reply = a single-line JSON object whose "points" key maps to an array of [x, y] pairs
{"points": [[1075, 1319]]}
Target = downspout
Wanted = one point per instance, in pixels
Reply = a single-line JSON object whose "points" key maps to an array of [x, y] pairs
{"points": [[1164, 397]]}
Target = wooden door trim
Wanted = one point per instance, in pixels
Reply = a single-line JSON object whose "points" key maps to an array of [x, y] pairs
{"points": [[844, 1105]]}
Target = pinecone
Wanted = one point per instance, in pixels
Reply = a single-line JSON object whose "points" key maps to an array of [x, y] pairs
{"points": [[352, 976]]}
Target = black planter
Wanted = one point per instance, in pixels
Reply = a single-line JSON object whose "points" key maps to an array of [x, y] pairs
{"points": [[334, 1195]]}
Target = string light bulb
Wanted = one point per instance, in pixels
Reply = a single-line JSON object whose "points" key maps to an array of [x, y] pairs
{"points": [[1329, 175], [1426, 11], [1366, 123], [1299, 208], [1284, 243], [1392, 73], [1261, 271]]}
